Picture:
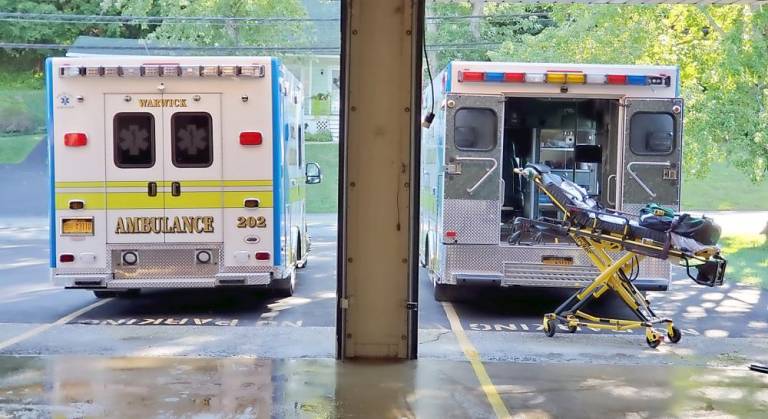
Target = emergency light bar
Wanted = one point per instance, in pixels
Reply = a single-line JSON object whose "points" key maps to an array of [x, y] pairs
{"points": [[165, 70], [565, 77]]}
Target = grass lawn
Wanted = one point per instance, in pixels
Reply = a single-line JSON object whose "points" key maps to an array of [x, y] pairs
{"points": [[15, 149], [747, 257], [323, 197], [725, 188]]}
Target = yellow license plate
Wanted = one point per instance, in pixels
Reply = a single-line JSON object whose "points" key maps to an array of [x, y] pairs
{"points": [[557, 260], [77, 226]]}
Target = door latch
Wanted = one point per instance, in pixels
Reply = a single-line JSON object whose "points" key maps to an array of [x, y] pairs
{"points": [[670, 173], [453, 168], [175, 189], [152, 188]]}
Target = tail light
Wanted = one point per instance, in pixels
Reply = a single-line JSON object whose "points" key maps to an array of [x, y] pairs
{"points": [[66, 257], [262, 255], [75, 139], [450, 236], [250, 138]]}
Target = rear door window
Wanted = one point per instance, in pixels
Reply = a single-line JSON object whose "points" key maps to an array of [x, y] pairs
{"points": [[192, 139], [475, 129], [134, 140], [652, 133]]}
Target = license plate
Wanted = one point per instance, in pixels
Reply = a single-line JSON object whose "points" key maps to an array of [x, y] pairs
{"points": [[77, 226], [557, 260]]}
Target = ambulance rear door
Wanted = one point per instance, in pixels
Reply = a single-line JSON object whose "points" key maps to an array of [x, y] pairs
{"points": [[651, 153], [193, 167], [472, 207], [134, 168]]}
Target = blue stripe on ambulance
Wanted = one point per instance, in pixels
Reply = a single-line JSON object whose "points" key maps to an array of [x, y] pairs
{"points": [[51, 171], [448, 78], [277, 173]]}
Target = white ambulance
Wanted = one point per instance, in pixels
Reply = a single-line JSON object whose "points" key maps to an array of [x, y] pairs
{"points": [[176, 172], [616, 130]]}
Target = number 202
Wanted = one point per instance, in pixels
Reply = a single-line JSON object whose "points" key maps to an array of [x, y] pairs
{"points": [[251, 222]]}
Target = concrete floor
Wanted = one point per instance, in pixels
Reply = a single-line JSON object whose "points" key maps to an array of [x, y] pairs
{"points": [[239, 387]]}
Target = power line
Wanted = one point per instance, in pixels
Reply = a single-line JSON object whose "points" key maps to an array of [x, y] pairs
{"points": [[153, 48], [20, 17]]}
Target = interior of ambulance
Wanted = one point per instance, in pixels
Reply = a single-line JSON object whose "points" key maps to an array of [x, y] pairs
{"points": [[577, 138]]}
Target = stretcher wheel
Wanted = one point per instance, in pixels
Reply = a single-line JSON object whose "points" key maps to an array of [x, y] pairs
{"points": [[674, 335], [653, 343], [572, 328], [550, 327]]}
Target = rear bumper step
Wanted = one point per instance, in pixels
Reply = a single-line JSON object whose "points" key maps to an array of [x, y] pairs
{"points": [[107, 281]]}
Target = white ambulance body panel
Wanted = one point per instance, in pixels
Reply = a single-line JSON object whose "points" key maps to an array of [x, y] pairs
{"points": [[616, 130], [168, 157]]}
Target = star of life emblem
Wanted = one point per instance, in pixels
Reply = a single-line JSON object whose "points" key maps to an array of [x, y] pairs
{"points": [[133, 139], [64, 100], [193, 139]]}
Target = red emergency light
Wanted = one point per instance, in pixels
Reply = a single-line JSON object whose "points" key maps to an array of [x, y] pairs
{"points": [[250, 138], [616, 79], [75, 139]]}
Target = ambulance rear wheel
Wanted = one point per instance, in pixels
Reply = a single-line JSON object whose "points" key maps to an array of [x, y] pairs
{"points": [[283, 288], [447, 293], [301, 259], [104, 294]]}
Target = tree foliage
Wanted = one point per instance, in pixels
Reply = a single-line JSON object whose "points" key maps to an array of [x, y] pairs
{"points": [[722, 53], [18, 62]]}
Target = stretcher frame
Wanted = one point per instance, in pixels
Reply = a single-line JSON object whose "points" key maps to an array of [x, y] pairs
{"points": [[613, 273]]}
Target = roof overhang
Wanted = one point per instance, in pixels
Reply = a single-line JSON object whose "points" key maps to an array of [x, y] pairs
{"points": [[635, 2]]}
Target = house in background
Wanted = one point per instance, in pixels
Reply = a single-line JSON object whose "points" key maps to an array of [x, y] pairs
{"points": [[321, 73]]}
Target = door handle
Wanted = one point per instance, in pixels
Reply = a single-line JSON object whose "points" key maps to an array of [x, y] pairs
{"points": [[608, 189], [152, 188], [488, 171], [637, 178], [175, 189]]}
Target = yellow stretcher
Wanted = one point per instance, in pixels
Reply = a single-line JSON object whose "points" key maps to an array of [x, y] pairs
{"points": [[615, 244]]}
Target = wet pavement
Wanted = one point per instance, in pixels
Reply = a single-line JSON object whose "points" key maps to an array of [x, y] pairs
{"points": [[183, 387]]}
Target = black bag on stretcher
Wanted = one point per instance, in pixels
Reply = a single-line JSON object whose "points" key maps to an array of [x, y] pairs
{"points": [[702, 229]]}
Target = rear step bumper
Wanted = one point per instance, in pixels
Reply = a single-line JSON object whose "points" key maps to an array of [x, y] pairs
{"points": [[498, 280], [106, 281]]}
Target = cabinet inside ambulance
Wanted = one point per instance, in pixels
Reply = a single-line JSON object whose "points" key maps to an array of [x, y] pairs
{"points": [[576, 138]]}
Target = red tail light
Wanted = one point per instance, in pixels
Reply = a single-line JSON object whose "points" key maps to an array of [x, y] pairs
{"points": [[66, 257], [250, 138], [75, 139], [450, 235], [262, 255]]}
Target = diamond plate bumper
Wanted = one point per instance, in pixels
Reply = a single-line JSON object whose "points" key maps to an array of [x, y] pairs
{"points": [[107, 281]]}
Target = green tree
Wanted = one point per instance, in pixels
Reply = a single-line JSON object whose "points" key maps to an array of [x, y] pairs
{"points": [[722, 53], [231, 33], [478, 37]]}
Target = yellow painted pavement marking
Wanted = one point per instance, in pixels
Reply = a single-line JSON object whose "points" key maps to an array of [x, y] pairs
{"points": [[474, 359], [43, 327]]}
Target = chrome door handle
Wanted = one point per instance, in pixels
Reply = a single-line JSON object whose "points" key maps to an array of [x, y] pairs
{"points": [[487, 173], [637, 178], [608, 189]]}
